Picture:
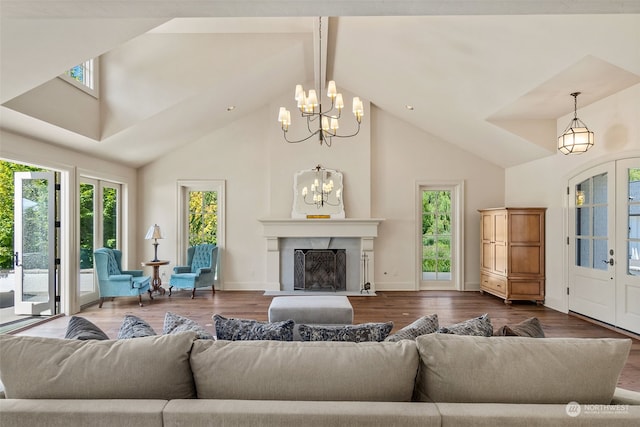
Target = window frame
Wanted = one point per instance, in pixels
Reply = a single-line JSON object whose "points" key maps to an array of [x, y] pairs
{"points": [[457, 235], [183, 189], [91, 88]]}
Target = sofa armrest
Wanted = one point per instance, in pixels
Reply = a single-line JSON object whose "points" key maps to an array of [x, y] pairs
{"points": [[181, 269], [134, 273], [622, 396]]}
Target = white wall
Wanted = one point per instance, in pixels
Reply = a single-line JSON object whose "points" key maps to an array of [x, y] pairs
{"points": [[71, 164], [401, 156], [616, 123], [381, 166]]}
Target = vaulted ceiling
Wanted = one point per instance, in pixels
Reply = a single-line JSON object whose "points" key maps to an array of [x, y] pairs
{"points": [[489, 76]]}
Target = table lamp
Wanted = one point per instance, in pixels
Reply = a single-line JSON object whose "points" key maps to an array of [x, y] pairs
{"points": [[155, 234]]}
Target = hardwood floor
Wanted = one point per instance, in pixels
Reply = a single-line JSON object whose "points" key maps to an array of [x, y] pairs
{"points": [[400, 307]]}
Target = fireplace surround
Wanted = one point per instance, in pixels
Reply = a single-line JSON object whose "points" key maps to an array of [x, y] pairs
{"points": [[355, 236]]}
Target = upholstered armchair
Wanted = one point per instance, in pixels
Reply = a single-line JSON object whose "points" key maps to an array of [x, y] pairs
{"points": [[113, 281], [200, 270]]}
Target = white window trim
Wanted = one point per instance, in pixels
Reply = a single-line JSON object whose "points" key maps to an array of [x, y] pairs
{"points": [[457, 235], [95, 77]]}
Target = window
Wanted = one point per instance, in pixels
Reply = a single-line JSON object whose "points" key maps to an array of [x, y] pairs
{"points": [[84, 76], [439, 207], [201, 216], [436, 235]]}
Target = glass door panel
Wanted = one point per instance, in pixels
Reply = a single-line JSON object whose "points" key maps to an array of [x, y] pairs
{"points": [[35, 243]]}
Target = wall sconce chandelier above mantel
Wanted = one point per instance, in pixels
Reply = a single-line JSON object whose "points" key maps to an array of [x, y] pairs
{"points": [[576, 138], [323, 123]]}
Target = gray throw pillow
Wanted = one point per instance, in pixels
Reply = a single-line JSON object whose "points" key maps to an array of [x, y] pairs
{"points": [[422, 326], [134, 327], [174, 324], [80, 328], [478, 326], [351, 333], [246, 329], [527, 328]]}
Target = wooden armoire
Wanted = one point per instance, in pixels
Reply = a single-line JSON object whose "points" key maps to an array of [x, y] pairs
{"points": [[512, 253]]}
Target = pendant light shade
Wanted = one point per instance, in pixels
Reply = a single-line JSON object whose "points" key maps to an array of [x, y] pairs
{"points": [[576, 138]]}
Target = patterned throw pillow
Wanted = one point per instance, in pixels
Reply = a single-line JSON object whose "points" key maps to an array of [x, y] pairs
{"points": [[245, 329], [478, 326], [134, 327], [351, 333], [424, 325], [527, 328], [174, 324], [80, 328]]}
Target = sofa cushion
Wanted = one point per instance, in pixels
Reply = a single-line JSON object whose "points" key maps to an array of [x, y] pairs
{"points": [[80, 328], [337, 371], [478, 326], [352, 333], [527, 328], [424, 325], [174, 324], [246, 329], [81, 412], [274, 413], [50, 368], [134, 327], [518, 369]]}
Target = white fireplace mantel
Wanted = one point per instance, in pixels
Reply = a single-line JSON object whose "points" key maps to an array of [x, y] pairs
{"points": [[346, 227], [275, 229]]}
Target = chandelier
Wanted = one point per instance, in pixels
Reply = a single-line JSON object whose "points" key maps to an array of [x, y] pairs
{"points": [[323, 123], [576, 138], [321, 193]]}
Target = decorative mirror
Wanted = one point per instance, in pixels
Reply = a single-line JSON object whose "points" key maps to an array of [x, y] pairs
{"points": [[317, 193]]}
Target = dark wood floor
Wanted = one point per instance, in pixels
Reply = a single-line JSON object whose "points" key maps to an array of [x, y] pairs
{"points": [[400, 307]]}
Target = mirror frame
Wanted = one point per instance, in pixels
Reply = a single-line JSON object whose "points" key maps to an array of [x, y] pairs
{"points": [[304, 209]]}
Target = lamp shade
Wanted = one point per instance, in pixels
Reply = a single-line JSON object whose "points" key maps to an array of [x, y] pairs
{"points": [[576, 139], [154, 232]]}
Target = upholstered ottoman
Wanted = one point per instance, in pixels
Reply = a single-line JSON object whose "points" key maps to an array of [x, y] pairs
{"points": [[318, 309]]}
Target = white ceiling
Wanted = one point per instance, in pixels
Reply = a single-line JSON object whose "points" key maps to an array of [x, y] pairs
{"points": [[492, 80]]}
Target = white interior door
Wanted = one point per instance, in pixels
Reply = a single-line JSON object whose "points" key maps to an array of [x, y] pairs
{"points": [[628, 244], [34, 243], [604, 243]]}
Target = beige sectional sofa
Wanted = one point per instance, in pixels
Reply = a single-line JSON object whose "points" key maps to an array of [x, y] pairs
{"points": [[436, 380]]}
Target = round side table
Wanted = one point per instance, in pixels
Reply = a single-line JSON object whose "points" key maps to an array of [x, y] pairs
{"points": [[156, 283]]}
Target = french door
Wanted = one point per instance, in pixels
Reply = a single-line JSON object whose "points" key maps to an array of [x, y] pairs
{"points": [[35, 243], [99, 215], [604, 243]]}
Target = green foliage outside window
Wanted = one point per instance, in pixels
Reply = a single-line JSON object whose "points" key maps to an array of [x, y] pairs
{"points": [[7, 191], [436, 231], [203, 217]]}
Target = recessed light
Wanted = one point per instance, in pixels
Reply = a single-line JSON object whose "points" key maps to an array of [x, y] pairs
{"points": [[409, 107], [231, 107]]}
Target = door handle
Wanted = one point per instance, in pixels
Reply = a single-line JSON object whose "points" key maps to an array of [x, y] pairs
{"points": [[16, 260], [610, 261]]}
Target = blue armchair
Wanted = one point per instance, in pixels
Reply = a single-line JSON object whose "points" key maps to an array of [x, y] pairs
{"points": [[113, 281], [200, 270]]}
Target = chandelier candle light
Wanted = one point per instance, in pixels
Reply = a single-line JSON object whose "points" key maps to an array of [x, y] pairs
{"points": [[576, 138], [310, 107], [321, 190]]}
